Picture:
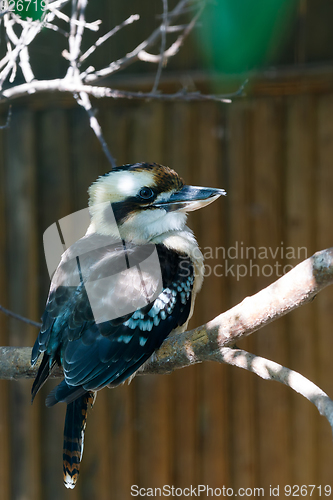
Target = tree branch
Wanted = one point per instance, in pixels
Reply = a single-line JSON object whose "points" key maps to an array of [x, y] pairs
{"points": [[204, 343], [269, 370], [296, 288], [83, 100], [213, 341], [164, 27], [60, 85]]}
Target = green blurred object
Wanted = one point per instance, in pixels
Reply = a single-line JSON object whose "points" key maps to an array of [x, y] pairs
{"points": [[33, 9], [238, 35]]}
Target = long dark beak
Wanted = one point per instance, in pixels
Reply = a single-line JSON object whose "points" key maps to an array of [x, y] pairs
{"points": [[191, 198]]}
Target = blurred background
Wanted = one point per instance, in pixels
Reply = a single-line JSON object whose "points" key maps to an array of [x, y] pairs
{"points": [[272, 150]]}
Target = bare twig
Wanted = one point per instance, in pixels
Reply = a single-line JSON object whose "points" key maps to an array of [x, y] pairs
{"points": [[84, 101], [57, 4], [9, 115], [28, 33], [77, 23], [56, 28], [175, 47], [269, 370], [191, 7], [19, 317], [136, 54], [55, 10], [164, 26], [102, 39], [60, 85]]}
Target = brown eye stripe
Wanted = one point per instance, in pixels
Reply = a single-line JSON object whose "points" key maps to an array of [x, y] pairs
{"points": [[165, 179]]}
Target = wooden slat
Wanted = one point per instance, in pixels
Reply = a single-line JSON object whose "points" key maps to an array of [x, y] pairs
{"points": [[300, 227], [273, 410], [324, 339], [121, 399], [185, 450], [97, 474], [88, 162], [5, 452], [87, 158], [118, 132], [152, 451], [208, 423], [55, 191], [22, 296], [243, 429], [118, 404], [213, 403], [56, 201], [146, 141], [121, 444]]}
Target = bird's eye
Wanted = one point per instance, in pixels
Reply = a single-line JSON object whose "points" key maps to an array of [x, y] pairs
{"points": [[146, 193]]}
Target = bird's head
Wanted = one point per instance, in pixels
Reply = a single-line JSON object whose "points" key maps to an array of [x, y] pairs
{"points": [[148, 200]]}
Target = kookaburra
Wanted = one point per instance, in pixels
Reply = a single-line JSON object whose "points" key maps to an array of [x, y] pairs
{"points": [[149, 205]]}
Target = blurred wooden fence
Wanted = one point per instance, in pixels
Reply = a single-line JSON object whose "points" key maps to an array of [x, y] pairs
{"points": [[209, 424]]}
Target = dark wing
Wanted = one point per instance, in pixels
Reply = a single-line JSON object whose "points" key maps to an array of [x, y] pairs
{"points": [[94, 355]]}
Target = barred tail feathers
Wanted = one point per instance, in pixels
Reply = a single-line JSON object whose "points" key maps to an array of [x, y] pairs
{"points": [[75, 424]]}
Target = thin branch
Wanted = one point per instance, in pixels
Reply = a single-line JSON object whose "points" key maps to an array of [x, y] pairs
{"points": [[84, 101], [134, 55], [57, 4], [9, 61], [91, 26], [25, 65], [17, 51], [19, 317], [61, 85], [57, 85], [182, 95], [77, 22], [130, 20], [56, 28], [185, 10], [296, 288], [269, 370], [164, 26], [175, 47]]}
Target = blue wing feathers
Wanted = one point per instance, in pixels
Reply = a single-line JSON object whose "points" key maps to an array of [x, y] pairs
{"points": [[94, 355]]}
